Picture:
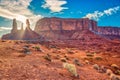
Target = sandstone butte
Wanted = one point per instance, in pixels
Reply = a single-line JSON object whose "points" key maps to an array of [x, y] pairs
{"points": [[62, 29]]}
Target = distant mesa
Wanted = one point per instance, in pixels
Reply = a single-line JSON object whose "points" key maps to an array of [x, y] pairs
{"points": [[21, 34], [71, 28], [63, 29]]}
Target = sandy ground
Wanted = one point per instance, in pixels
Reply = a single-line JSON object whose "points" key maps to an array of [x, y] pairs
{"points": [[16, 65]]}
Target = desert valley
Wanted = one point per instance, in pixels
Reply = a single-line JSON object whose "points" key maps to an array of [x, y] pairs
{"points": [[60, 49]]}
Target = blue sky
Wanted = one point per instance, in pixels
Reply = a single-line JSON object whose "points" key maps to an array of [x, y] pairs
{"points": [[106, 12]]}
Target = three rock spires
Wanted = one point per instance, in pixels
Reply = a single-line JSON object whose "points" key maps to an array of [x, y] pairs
{"points": [[14, 26]]}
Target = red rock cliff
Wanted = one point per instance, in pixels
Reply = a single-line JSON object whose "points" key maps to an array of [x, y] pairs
{"points": [[26, 34], [62, 28], [48, 24]]}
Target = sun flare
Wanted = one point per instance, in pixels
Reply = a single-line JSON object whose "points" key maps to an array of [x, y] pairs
{"points": [[22, 19]]}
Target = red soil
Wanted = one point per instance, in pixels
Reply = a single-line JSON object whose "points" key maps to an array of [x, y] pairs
{"points": [[15, 65]]}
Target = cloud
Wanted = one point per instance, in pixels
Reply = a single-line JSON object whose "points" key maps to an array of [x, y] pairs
{"points": [[54, 5], [97, 14], [10, 15], [5, 28], [17, 9], [111, 10]]}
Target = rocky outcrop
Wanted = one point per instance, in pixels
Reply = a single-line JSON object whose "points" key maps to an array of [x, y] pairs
{"points": [[62, 28], [14, 29], [107, 30], [21, 34], [51, 24]]}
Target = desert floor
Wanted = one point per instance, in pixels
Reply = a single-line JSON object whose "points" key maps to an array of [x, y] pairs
{"points": [[17, 64]]}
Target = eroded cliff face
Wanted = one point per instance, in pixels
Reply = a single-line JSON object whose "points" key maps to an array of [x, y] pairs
{"points": [[62, 28], [107, 30], [49, 24], [21, 35], [26, 34]]}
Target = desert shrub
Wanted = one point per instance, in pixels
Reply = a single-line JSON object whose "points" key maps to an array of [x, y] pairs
{"points": [[3, 40], [57, 56], [16, 42], [88, 58], [102, 69], [27, 45], [63, 60], [37, 48], [66, 58], [115, 66], [114, 77], [52, 46], [48, 57], [70, 51], [90, 54], [71, 68], [76, 61], [96, 66], [98, 58], [26, 50], [117, 72]]}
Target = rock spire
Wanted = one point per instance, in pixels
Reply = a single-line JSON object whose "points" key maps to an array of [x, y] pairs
{"points": [[14, 26]]}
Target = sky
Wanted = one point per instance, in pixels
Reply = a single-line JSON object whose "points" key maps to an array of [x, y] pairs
{"points": [[105, 12]]}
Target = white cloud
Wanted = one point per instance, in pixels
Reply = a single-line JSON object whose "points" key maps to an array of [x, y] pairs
{"points": [[54, 5], [97, 14], [5, 28], [111, 10], [17, 9], [10, 15]]}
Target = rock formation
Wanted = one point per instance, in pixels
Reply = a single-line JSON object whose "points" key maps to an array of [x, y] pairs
{"points": [[63, 29], [21, 34], [29, 34], [60, 28], [22, 27], [14, 28], [109, 30], [47, 24]]}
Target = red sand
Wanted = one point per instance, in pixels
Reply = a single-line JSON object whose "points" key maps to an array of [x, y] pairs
{"points": [[15, 65]]}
